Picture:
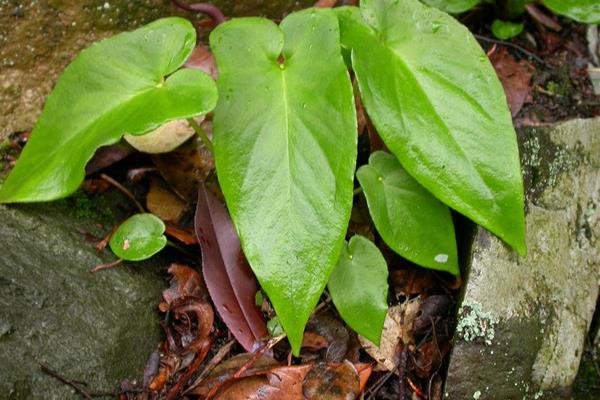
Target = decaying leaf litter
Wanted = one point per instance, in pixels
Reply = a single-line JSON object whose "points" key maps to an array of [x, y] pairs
{"points": [[215, 321]]}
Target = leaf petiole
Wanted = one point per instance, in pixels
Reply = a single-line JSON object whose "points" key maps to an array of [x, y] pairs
{"points": [[202, 134]]}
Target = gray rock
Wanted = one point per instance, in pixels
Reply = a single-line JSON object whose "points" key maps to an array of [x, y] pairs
{"points": [[97, 328], [39, 38], [523, 321]]}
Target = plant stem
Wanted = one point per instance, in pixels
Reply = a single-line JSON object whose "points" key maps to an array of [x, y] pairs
{"points": [[123, 190], [358, 190], [211, 11], [202, 134]]}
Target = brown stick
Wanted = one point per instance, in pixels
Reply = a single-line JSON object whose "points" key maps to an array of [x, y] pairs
{"points": [[66, 381], [102, 267], [123, 190], [514, 46]]}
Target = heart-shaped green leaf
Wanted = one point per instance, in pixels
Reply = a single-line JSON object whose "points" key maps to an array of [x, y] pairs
{"points": [[435, 100], [285, 148], [358, 287], [114, 87], [410, 220], [139, 238], [452, 6], [505, 29], [586, 11]]}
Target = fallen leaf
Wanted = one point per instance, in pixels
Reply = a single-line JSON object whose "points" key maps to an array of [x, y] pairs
{"points": [[225, 371], [266, 381], [186, 282], [279, 383], [334, 331], [106, 156], [541, 18], [229, 279], [397, 330], [163, 203], [331, 382], [325, 3], [515, 77], [202, 59], [186, 167], [184, 235], [314, 341], [411, 281]]}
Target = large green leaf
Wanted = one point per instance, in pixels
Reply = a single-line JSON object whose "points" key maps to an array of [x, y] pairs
{"points": [[587, 11], [358, 287], [410, 220], [285, 148], [114, 87], [452, 6], [436, 102]]}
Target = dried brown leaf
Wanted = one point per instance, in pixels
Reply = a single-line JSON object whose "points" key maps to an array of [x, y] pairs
{"points": [[230, 281], [515, 77]]}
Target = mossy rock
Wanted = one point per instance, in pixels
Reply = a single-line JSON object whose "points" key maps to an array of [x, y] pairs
{"points": [[96, 328], [541, 305]]}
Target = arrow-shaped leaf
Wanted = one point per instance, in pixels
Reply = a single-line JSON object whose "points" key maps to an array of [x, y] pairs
{"points": [[285, 148], [114, 87], [436, 102], [228, 277], [410, 220]]}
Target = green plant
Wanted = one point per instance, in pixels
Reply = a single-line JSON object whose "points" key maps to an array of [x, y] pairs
{"points": [[139, 238], [285, 141], [586, 11]]}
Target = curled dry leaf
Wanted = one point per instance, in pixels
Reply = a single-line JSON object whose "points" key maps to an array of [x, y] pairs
{"points": [[186, 282], [266, 380], [397, 331], [334, 332], [229, 279], [186, 167], [163, 203], [515, 77], [203, 60], [333, 381]]}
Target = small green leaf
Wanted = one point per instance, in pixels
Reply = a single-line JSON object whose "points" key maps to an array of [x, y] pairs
{"points": [[452, 6], [505, 29], [438, 105], [358, 287], [285, 148], [586, 11], [139, 238], [114, 87], [274, 327], [410, 220]]}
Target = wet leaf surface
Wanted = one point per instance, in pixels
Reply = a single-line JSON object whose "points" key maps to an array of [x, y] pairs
{"points": [[358, 287], [98, 115], [229, 279], [411, 221], [418, 101], [285, 153], [139, 238]]}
